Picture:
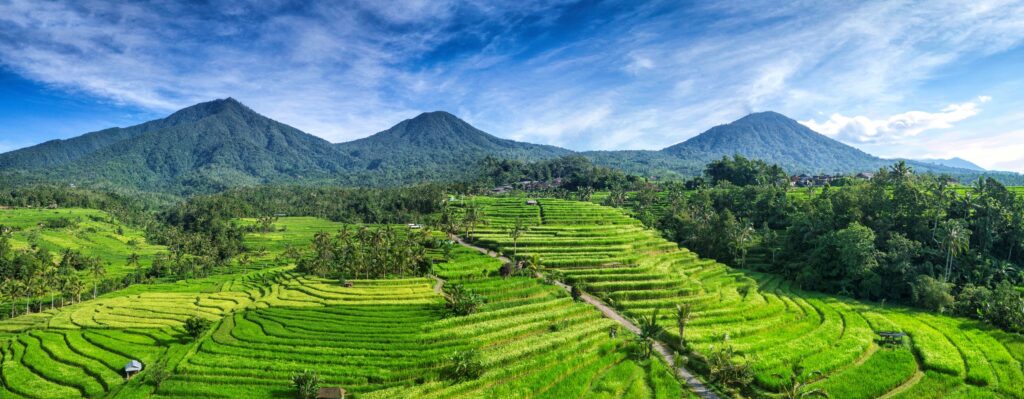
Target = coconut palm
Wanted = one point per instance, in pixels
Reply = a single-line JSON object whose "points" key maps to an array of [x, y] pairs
{"points": [[797, 389], [682, 317], [901, 170], [5, 293], [649, 332], [954, 239], [517, 231], [98, 271], [133, 261]]}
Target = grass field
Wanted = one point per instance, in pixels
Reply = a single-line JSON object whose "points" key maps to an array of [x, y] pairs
{"points": [[378, 338], [768, 322], [94, 233]]}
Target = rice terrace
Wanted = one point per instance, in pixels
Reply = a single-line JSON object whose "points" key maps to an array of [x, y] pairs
{"points": [[559, 199]]}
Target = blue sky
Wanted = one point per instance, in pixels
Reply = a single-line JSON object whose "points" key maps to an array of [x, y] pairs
{"points": [[894, 78]]}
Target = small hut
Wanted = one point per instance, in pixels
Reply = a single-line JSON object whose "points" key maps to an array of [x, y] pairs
{"points": [[892, 338], [531, 202], [330, 393], [133, 367], [414, 226]]}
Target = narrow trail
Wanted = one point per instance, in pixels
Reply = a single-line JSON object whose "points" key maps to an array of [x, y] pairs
{"points": [[667, 354], [439, 285]]}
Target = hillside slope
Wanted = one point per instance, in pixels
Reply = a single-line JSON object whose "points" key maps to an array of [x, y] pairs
{"points": [[206, 147], [437, 143], [777, 139]]}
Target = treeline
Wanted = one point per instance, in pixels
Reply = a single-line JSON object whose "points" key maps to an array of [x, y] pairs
{"points": [[36, 277], [899, 237], [131, 209], [366, 253], [349, 205], [576, 172]]}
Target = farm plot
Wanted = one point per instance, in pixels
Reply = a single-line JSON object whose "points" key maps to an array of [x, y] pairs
{"points": [[89, 231], [534, 342], [79, 350], [766, 320], [376, 338]]}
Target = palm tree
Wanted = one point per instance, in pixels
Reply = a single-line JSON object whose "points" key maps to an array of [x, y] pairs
{"points": [[649, 331], [954, 239], [797, 389], [15, 289], [51, 278], [682, 317], [77, 287], [472, 217], [517, 231], [901, 170], [5, 293], [133, 260], [98, 271]]}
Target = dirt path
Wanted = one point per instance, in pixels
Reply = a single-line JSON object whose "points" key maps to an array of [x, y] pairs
{"points": [[667, 354], [439, 285]]}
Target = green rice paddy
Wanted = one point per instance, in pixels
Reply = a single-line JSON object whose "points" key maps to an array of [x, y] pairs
{"points": [[768, 321], [377, 338]]}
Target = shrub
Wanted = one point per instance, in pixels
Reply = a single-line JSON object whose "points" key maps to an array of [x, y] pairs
{"points": [[461, 301], [195, 326], [307, 383], [463, 366], [932, 294], [158, 374], [726, 371]]}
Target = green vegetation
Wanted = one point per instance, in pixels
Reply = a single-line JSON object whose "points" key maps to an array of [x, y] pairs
{"points": [[271, 325], [899, 237], [741, 319]]}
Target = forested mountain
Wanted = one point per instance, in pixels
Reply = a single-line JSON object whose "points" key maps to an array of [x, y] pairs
{"points": [[213, 146], [56, 152], [206, 147], [437, 144], [776, 139], [954, 163]]}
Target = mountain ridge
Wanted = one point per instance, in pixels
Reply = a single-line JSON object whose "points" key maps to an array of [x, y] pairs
{"points": [[222, 143]]}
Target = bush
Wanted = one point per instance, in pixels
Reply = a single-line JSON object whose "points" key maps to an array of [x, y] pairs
{"points": [[195, 326], [307, 383], [726, 371], [158, 374], [932, 294], [463, 366], [461, 301]]}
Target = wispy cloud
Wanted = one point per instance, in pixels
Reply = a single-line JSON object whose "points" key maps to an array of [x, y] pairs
{"points": [[895, 128], [582, 75]]}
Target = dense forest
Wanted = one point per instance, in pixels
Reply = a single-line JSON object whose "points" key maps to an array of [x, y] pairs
{"points": [[899, 237]]}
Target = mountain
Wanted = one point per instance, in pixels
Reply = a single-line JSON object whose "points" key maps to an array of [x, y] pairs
{"points": [[57, 152], [202, 148], [954, 163], [437, 144], [220, 144], [773, 137]]}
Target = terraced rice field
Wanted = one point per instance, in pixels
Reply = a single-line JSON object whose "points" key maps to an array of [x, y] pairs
{"points": [[378, 338], [769, 322], [96, 234]]}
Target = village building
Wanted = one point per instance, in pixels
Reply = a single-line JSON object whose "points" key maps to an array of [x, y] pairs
{"points": [[133, 367]]}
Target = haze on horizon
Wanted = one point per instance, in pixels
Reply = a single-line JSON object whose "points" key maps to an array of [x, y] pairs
{"points": [[933, 79]]}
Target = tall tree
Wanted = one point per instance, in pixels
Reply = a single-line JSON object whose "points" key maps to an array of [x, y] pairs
{"points": [[517, 231], [954, 239], [97, 269]]}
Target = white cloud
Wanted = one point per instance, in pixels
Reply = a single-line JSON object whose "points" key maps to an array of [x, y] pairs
{"points": [[631, 77], [862, 129]]}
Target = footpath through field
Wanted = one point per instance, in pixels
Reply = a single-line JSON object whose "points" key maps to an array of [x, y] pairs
{"points": [[692, 382]]}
